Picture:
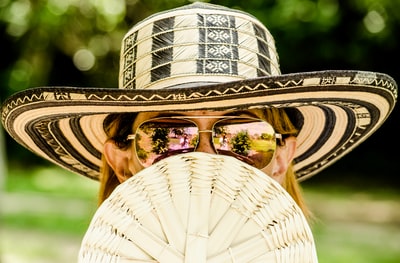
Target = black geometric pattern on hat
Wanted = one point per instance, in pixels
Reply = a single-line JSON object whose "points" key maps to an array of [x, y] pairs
{"points": [[162, 48], [129, 66], [263, 55], [218, 51], [193, 45]]}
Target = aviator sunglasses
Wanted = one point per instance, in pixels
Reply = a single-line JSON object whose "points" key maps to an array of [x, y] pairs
{"points": [[250, 140]]}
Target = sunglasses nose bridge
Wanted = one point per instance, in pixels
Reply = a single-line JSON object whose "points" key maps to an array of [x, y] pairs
{"points": [[205, 143]]}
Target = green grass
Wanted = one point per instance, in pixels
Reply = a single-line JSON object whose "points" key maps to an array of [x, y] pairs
{"points": [[355, 224], [261, 145], [357, 242], [51, 180], [48, 223]]}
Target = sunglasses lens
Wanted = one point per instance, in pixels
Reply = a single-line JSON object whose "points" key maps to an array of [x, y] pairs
{"points": [[249, 140], [160, 138]]}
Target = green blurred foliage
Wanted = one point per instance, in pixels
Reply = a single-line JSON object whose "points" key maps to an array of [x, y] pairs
{"points": [[77, 43], [241, 143]]}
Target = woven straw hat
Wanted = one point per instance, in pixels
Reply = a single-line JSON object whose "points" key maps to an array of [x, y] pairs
{"points": [[199, 207], [202, 56]]}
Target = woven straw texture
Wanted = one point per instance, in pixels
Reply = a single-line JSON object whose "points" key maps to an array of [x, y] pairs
{"points": [[198, 207]]}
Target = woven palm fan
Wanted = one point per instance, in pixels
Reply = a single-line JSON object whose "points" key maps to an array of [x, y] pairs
{"points": [[198, 207]]}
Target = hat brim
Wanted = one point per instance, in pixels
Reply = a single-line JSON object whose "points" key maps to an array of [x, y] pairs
{"points": [[337, 111]]}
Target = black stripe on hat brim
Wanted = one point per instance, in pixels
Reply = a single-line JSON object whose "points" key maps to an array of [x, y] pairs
{"points": [[354, 134], [50, 137]]}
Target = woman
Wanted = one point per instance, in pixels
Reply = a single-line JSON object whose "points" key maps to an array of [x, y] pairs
{"points": [[203, 70], [118, 151]]}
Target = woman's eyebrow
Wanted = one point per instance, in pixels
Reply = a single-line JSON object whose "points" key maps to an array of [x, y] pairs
{"points": [[167, 114], [241, 113]]}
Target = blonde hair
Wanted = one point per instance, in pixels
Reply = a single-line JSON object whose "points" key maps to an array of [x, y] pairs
{"points": [[118, 126], [282, 124]]}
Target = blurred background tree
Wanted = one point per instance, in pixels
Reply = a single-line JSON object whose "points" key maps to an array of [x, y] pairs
{"points": [[77, 43]]}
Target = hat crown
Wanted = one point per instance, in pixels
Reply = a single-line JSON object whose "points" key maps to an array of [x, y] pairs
{"points": [[195, 45]]}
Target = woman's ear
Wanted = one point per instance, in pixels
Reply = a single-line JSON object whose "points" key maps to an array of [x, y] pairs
{"points": [[118, 160], [284, 156]]}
